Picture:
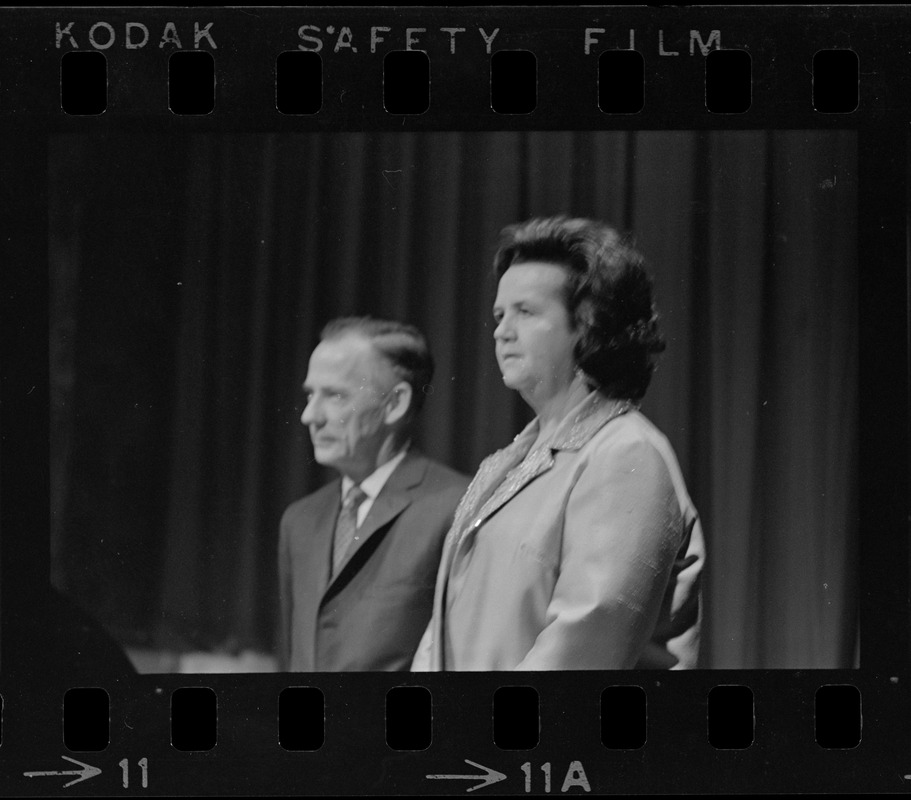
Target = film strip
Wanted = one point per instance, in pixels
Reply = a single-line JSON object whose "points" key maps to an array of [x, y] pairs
{"points": [[190, 194]]}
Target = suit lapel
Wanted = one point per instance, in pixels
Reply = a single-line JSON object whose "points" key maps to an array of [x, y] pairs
{"points": [[393, 499], [498, 478], [324, 526], [536, 463], [312, 578]]}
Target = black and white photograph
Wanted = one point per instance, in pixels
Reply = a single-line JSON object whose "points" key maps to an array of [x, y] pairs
{"points": [[421, 401], [455, 401]]}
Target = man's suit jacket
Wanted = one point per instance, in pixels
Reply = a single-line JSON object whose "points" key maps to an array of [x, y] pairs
{"points": [[371, 614], [586, 554]]}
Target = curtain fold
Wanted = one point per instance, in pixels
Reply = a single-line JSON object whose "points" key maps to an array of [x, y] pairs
{"points": [[190, 308]]}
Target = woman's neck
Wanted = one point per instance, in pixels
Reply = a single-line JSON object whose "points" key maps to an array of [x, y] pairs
{"points": [[551, 411]]}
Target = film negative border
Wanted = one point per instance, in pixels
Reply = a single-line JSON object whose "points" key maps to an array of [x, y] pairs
{"points": [[570, 755], [243, 51]]}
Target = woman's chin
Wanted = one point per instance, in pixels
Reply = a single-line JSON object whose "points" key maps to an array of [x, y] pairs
{"points": [[525, 387], [510, 382]]}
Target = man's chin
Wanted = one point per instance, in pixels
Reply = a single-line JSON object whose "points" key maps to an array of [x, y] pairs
{"points": [[324, 457]]}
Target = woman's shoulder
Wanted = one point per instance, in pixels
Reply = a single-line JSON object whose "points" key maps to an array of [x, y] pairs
{"points": [[633, 436], [631, 427], [633, 442]]}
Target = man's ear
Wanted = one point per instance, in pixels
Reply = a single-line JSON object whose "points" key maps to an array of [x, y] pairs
{"points": [[399, 402]]}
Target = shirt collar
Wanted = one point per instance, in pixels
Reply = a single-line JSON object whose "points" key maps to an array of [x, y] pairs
{"points": [[373, 484]]}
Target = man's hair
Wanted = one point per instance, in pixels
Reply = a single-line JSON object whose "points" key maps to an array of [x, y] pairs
{"points": [[402, 345], [608, 295]]}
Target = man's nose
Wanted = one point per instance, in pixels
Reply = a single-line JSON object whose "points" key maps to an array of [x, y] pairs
{"points": [[311, 412]]}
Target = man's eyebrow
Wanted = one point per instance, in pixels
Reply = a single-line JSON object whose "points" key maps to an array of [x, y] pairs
{"points": [[325, 389]]}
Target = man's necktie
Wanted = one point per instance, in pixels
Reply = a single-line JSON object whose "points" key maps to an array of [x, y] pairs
{"points": [[346, 525]]}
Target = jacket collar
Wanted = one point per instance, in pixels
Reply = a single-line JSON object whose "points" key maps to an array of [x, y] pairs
{"points": [[373, 484], [586, 419], [502, 475]]}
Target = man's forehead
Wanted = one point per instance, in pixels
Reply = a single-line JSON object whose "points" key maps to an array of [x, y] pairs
{"points": [[347, 356]]}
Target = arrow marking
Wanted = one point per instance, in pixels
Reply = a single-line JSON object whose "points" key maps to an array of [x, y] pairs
{"points": [[84, 774], [487, 778]]}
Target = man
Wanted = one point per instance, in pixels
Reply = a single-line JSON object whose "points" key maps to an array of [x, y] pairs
{"points": [[358, 558]]}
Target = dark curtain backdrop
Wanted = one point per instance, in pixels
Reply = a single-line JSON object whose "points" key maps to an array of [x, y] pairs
{"points": [[192, 274]]}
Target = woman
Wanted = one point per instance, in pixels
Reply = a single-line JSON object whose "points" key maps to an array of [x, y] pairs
{"points": [[577, 546]]}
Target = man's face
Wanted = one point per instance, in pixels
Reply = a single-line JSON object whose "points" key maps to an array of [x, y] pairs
{"points": [[347, 385]]}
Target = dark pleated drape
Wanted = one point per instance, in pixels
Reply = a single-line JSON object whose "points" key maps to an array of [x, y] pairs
{"points": [[192, 277]]}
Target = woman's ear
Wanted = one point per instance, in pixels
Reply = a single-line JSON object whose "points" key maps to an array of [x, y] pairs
{"points": [[398, 403]]}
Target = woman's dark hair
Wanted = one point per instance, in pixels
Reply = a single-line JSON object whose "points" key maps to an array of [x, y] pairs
{"points": [[608, 296]]}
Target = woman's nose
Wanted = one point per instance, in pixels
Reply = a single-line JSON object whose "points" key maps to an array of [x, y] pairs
{"points": [[503, 330]]}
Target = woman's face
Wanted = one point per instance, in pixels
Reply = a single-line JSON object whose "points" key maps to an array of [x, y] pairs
{"points": [[534, 335]]}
